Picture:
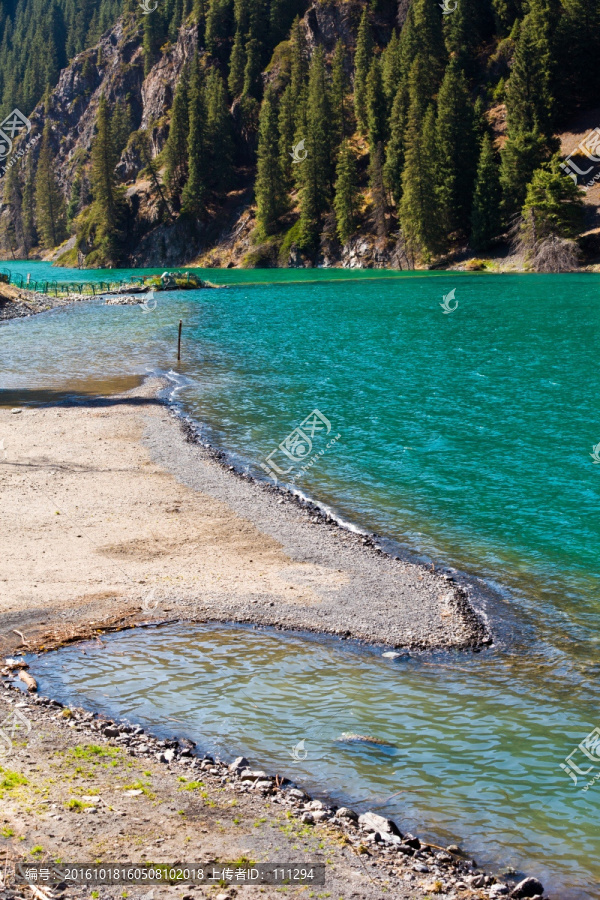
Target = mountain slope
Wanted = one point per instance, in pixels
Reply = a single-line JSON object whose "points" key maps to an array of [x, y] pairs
{"points": [[233, 133]]}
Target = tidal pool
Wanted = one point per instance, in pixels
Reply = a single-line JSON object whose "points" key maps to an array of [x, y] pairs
{"points": [[453, 766]]}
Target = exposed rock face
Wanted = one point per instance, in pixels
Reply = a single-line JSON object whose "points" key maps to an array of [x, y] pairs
{"points": [[114, 68], [326, 24]]}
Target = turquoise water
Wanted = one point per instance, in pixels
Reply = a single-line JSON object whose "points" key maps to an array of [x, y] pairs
{"points": [[466, 437]]}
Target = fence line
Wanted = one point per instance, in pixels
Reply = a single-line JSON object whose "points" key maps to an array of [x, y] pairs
{"points": [[55, 287]]}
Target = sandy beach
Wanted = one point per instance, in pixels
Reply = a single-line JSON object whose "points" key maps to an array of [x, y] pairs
{"points": [[110, 510]]}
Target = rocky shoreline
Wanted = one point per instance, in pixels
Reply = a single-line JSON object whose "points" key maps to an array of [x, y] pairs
{"points": [[410, 863], [17, 303]]}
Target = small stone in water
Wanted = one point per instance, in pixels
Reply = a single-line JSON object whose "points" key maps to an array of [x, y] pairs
{"points": [[238, 764], [529, 887], [345, 813]]}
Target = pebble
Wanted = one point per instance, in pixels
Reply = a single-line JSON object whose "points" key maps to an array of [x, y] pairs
{"points": [[252, 774], [389, 654], [498, 890], [16, 411], [529, 887], [345, 813], [371, 821]]}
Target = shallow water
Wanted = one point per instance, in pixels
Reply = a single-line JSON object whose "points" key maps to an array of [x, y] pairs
{"points": [[466, 437], [455, 767]]}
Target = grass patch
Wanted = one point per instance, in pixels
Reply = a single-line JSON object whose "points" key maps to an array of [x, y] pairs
{"points": [[7, 832], [191, 786], [93, 752], [10, 780], [76, 805], [140, 786]]}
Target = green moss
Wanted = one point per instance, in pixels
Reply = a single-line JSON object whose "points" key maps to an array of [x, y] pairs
{"points": [[292, 237]]}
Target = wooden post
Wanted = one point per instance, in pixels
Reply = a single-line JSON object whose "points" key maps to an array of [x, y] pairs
{"points": [[179, 342]]}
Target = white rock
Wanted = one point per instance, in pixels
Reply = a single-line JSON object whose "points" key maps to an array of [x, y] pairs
{"points": [[370, 821], [390, 654], [498, 890], [252, 774]]}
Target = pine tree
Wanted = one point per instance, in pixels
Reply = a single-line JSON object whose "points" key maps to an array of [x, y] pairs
{"points": [[391, 67], [394, 161], [269, 187], [49, 202], [529, 104], [378, 195], [28, 209], [362, 63], [422, 37], [152, 39], [346, 194], [252, 70], [315, 170], [237, 65], [375, 106], [176, 149], [299, 65], [553, 207], [219, 21], [468, 26], [279, 21], [418, 207], [192, 198], [486, 221], [339, 89], [199, 14], [505, 13], [108, 202], [218, 129], [456, 150], [520, 157], [74, 205], [12, 225], [121, 124], [287, 131]]}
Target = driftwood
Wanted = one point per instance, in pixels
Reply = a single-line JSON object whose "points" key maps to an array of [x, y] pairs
{"points": [[28, 680]]}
